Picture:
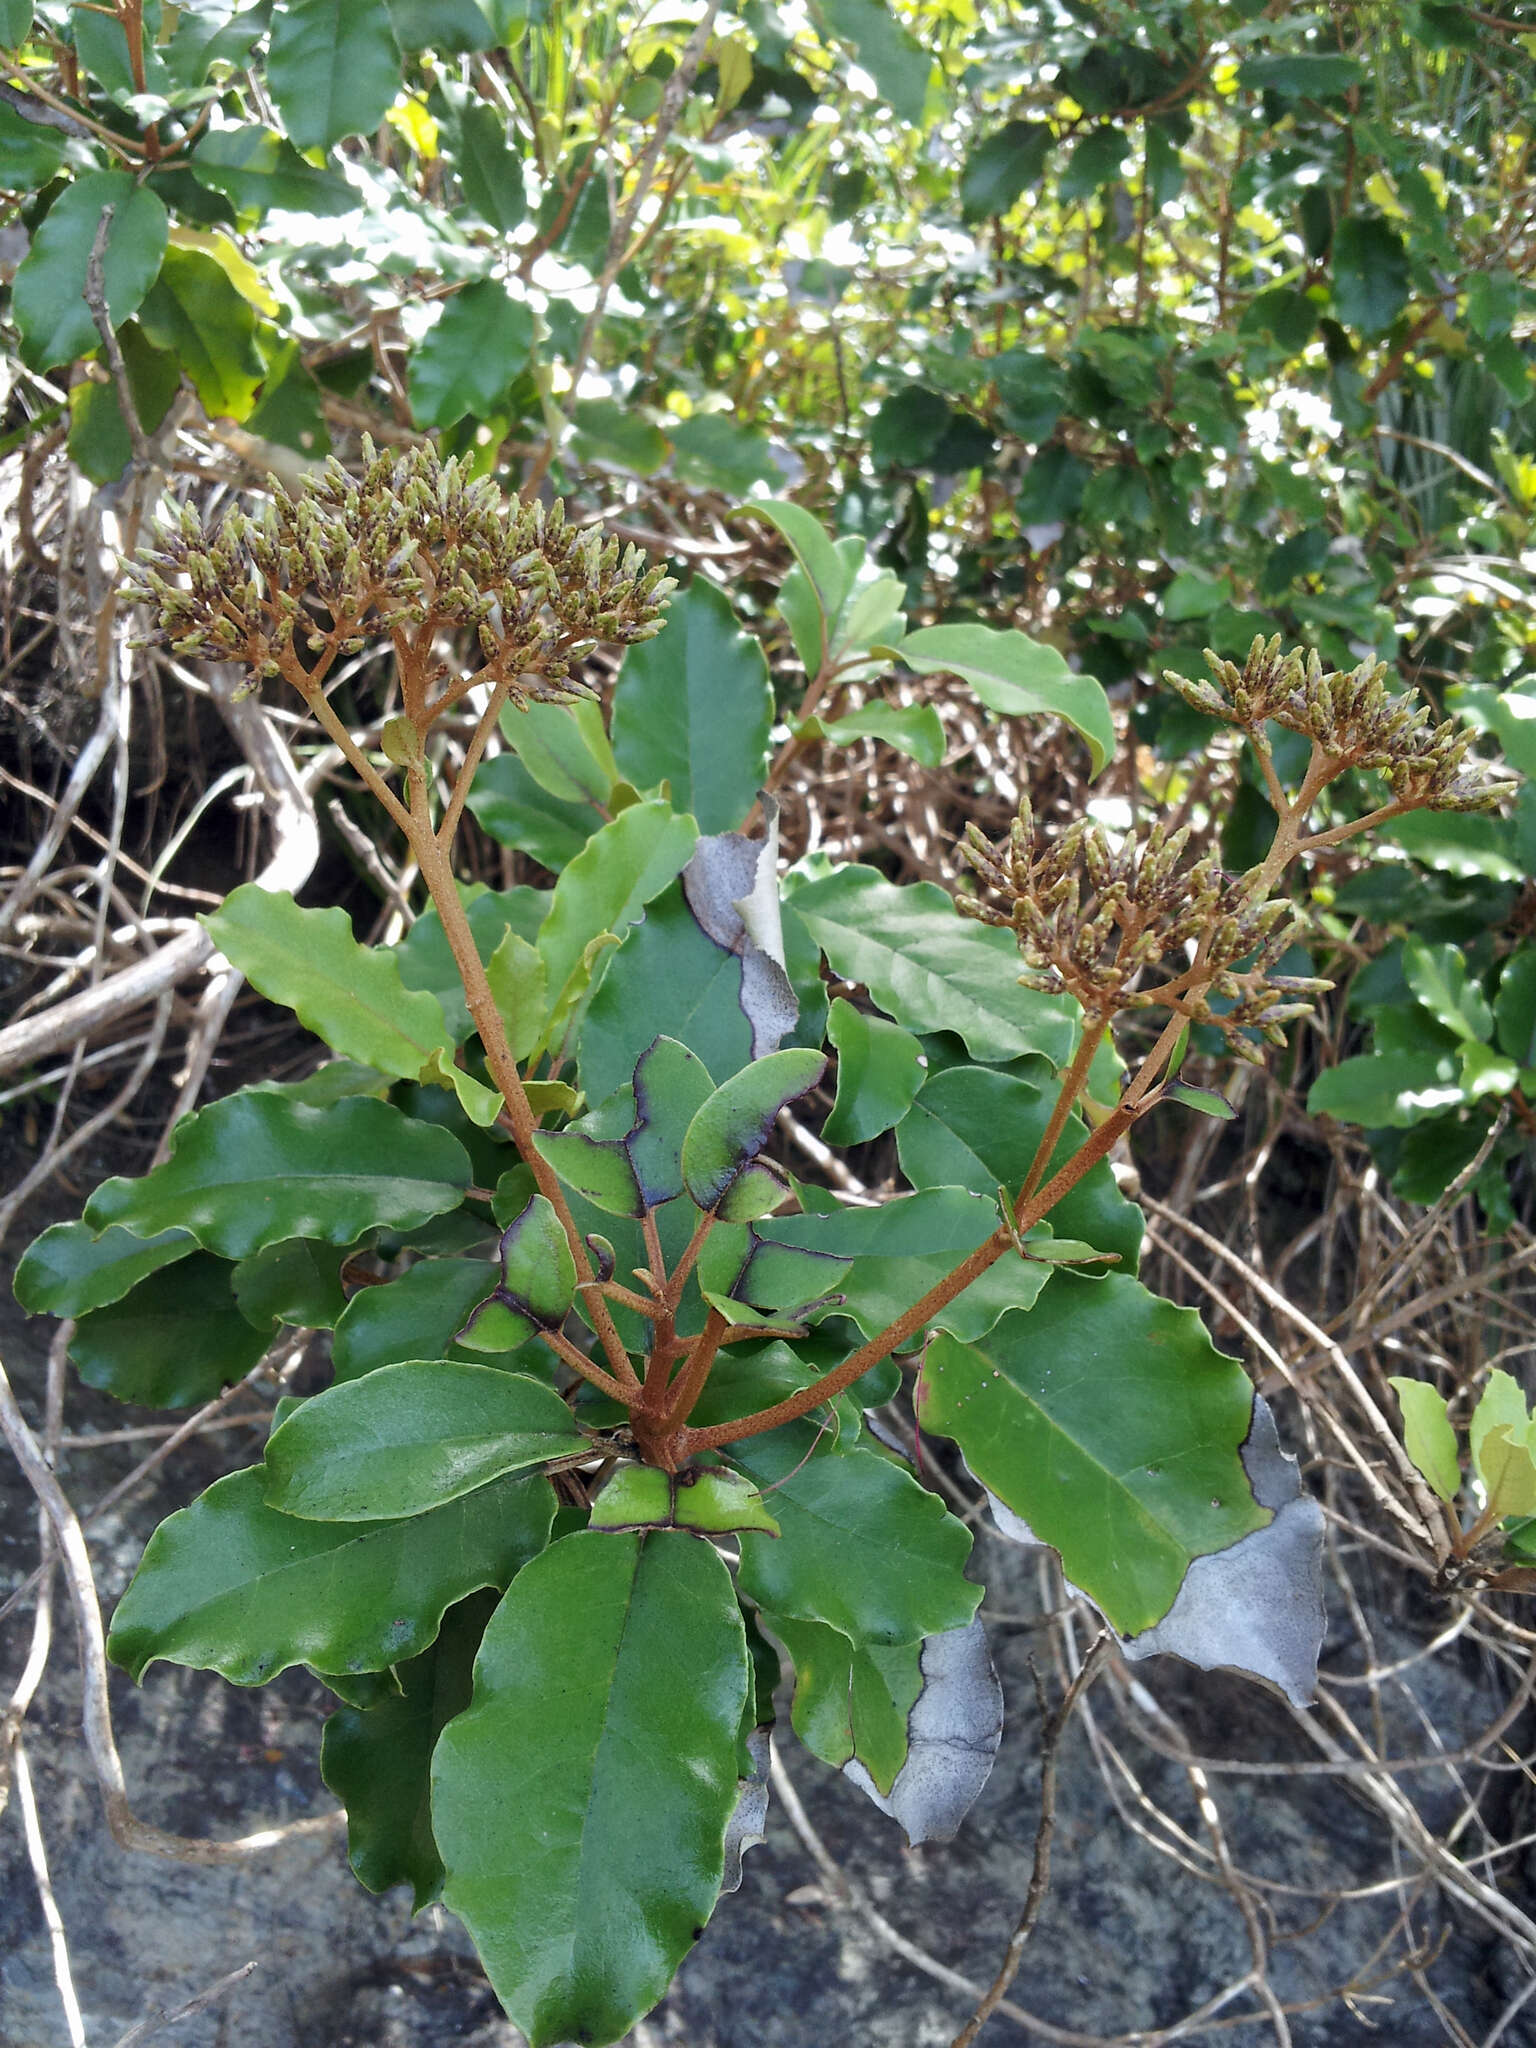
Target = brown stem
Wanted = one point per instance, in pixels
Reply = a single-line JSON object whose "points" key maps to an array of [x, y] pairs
{"points": [[437, 873], [325, 712], [579, 1362], [1073, 1082], [459, 793], [690, 1381]]}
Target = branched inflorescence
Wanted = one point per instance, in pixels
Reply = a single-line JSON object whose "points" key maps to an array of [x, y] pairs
{"points": [[410, 549], [1352, 720], [1131, 927]]}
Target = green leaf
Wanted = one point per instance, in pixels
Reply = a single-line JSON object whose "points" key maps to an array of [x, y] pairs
{"points": [[1458, 843], [604, 889], [735, 1123], [880, 1068], [1095, 162], [927, 968], [1017, 677], [1107, 1420], [1501, 1405], [914, 729], [908, 427], [377, 1759], [490, 170], [332, 69], [1508, 1470], [410, 1437], [713, 453], [465, 363], [548, 1830], [1386, 1090], [1427, 1434], [99, 442], [851, 1700], [509, 804], [1370, 273], [194, 311], [973, 1129], [618, 436], [1514, 1009], [829, 576], [693, 707], [671, 977], [671, 1085], [296, 1281], [230, 1585], [1002, 167], [711, 1502], [260, 172], [565, 749], [415, 1316], [862, 1547], [538, 1282], [1493, 299], [69, 1270], [1303, 75], [254, 1168], [33, 155], [1193, 596], [449, 26], [1438, 977], [352, 996], [174, 1340], [891, 54], [47, 294]]}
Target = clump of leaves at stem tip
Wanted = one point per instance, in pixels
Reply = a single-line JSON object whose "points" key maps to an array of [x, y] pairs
{"points": [[1352, 720], [409, 550]]}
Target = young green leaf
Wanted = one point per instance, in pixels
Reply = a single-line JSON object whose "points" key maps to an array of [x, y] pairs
{"points": [[880, 1068], [410, 1437], [736, 1122], [1016, 677], [255, 1168], [230, 1585], [829, 576], [552, 1838], [914, 729], [1427, 1434], [538, 1282]]}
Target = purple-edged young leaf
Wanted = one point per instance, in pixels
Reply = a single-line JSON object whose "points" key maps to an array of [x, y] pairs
{"points": [[732, 888], [1107, 1420], [410, 1437], [1209, 1101], [710, 1501], [671, 1085], [538, 1282], [256, 1168], [230, 1585], [583, 1879], [734, 1124]]}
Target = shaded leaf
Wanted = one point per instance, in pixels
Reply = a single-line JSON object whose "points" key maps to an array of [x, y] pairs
{"points": [[174, 1340], [296, 1281], [466, 361], [414, 1316], [1370, 273], [259, 171]]}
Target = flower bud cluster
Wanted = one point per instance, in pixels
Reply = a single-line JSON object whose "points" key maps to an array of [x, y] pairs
{"points": [[410, 548], [1352, 719], [1133, 926]]}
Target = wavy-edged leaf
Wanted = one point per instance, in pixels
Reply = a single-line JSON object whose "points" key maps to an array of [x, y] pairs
{"points": [[737, 1120], [230, 1585], [1109, 1422], [69, 1270], [928, 968], [1016, 677], [414, 1316], [914, 729], [175, 1339], [551, 1835], [193, 311], [410, 1437], [880, 1068], [693, 707], [668, 977], [861, 1546], [377, 1758], [466, 361], [295, 1281]]}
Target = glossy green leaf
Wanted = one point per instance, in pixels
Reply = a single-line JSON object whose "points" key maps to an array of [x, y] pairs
{"points": [[1002, 167], [1458, 843], [880, 1068], [465, 363], [862, 1547], [1106, 1419], [31, 154], [260, 172], [614, 436], [47, 293], [710, 1501], [1508, 1471], [410, 1437], [671, 1085], [69, 1270], [451, 27], [1438, 977], [1016, 677], [333, 69], [176, 1339], [1303, 74], [1382, 1090], [549, 1831], [415, 1316], [350, 995], [736, 1122], [377, 1758], [538, 1282], [230, 1585], [296, 1281], [851, 1700], [604, 890], [971, 1128], [598, 1168], [692, 707], [1427, 1434], [1514, 1008], [927, 968], [890, 53], [194, 311], [254, 1168], [426, 959], [668, 977], [1370, 273], [914, 729]]}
